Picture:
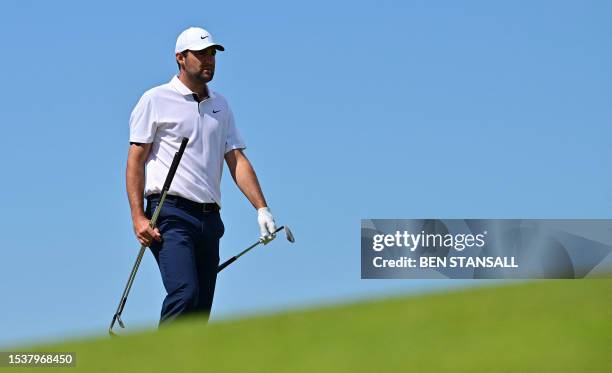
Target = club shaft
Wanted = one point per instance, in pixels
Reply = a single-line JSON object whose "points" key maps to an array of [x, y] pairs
{"points": [[165, 189], [234, 258], [132, 276]]}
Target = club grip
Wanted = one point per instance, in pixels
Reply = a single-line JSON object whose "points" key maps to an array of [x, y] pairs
{"points": [[222, 266], [175, 163]]}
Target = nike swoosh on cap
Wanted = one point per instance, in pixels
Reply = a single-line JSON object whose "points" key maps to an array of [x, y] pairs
{"points": [[203, 37], [216, 111]]}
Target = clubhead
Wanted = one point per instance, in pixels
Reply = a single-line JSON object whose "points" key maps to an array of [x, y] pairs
{"points": [[289, 234]]}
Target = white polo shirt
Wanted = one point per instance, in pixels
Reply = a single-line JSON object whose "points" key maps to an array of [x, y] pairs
{"points": [[167, 113]]}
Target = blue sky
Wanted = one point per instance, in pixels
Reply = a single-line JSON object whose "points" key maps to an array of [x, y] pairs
{"points": [[350, 110]]}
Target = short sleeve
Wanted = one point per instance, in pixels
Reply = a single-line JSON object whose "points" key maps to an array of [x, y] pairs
{"points": [[233, 140], [143, 121]]}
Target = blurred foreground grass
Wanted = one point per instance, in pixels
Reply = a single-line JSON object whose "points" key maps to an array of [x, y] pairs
{"points": [[545, 326]]}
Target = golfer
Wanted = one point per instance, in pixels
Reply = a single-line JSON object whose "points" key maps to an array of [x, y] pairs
{"points": [[185, 242]]}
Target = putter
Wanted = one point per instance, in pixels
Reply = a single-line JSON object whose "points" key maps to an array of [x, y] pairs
{"points": [[128, 286], [288, 235]]}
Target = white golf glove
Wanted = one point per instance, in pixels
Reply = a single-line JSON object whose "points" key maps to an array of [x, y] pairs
{"points": [[266, 224]]}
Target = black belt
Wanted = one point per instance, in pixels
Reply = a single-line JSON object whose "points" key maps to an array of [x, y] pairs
{"points": [[184, 202]]}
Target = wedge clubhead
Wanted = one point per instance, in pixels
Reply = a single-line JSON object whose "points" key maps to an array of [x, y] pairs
{"points": [[289, 234]]}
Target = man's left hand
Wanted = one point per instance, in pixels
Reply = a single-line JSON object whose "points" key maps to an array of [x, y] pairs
{"points": [[267, 227]]}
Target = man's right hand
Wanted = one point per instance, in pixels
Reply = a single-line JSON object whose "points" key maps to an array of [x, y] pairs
{"points": [[144, 233]]}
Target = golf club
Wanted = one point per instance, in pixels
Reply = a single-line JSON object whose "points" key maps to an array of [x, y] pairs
{"points": [[288, 235], [164, 192]]}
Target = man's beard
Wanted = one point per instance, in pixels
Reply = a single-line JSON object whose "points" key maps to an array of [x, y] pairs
{"points": [[200, 77]]}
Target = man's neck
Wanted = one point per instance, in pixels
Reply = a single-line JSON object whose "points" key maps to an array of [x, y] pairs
{"points": [[200, 89]]}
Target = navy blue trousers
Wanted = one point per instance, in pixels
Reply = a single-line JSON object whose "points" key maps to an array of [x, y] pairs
{"points": [[188, 256]]}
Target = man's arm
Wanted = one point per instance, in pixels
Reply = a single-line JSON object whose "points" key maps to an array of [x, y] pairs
{"points": [[244, 176], [135, 180]]}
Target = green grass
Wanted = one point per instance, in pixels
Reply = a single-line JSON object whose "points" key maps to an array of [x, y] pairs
{"points": [[547, 326]]}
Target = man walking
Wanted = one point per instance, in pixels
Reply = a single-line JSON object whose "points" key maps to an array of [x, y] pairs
{"points": [[185, 242]]}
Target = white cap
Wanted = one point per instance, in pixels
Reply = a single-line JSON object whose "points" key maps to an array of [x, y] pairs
{"points": [[195, 39]]}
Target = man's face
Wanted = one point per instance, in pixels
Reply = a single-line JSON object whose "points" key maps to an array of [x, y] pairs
{"points": [[199, 65]]}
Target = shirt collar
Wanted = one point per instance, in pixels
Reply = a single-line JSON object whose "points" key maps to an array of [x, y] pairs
{"points": [[184, 90]]}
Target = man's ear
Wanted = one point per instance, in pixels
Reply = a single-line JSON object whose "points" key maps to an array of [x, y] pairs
{"points": [[180, 59]]}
